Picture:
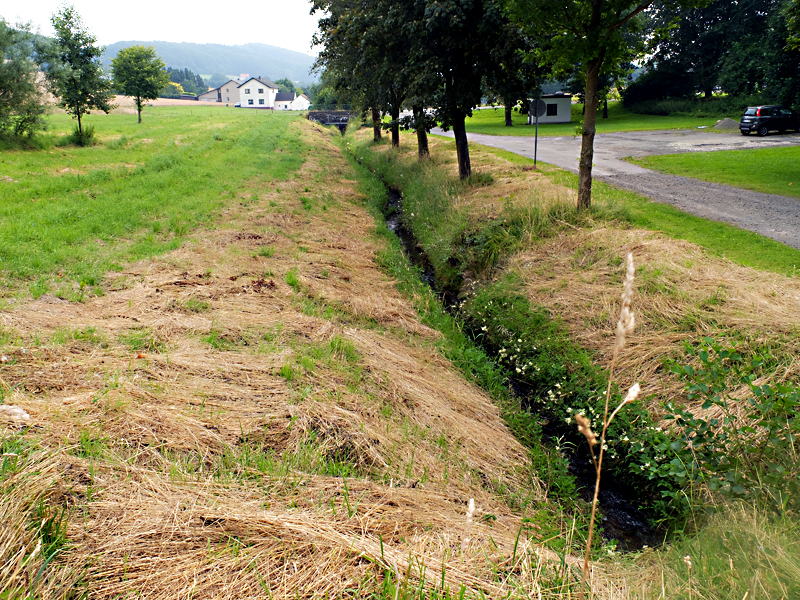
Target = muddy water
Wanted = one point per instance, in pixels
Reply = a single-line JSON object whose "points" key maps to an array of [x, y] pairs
{"points": [[622, 520]]}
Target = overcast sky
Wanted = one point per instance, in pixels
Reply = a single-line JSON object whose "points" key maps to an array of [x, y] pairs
{"points": [[286, 24]]}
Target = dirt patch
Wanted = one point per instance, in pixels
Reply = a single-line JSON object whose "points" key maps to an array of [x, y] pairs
{"points": [[727, 124]]}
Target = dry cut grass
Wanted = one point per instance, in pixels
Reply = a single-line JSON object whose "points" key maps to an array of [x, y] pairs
{"points": [[683, 294], [260, 413]]}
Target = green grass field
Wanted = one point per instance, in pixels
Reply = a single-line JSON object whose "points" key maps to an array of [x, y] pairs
{"points": [[492, 122], [768, 170], [68, 214]]}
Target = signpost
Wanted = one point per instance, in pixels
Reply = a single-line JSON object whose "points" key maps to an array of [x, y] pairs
{"points": [[538, 108]]}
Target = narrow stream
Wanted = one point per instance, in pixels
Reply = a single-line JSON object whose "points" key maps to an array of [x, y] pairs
{"points": [[622, 521]]}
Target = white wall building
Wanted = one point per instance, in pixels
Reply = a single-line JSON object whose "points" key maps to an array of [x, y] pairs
{"points": [[228, 93], [559, 109], [291, 101], [301, 102], [257, 92]]}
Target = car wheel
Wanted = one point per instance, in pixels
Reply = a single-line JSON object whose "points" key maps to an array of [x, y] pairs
{"points": [[743, 132], [763, 130]]}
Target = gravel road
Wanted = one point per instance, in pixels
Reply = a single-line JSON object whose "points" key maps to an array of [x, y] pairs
{"points": [[777, 217]]}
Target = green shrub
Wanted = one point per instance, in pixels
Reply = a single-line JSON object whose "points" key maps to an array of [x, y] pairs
{"points": [[82, 137], [748, 454]]}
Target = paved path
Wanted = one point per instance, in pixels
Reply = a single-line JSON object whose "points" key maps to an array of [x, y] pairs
{"points": [[777, 217]]}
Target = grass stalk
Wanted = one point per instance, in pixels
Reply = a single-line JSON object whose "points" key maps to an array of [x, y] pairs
{"points": [[625, 326]]}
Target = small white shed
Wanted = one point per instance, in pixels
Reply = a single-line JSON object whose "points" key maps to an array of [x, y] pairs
{"points": [[559, 109], [301, 102]]}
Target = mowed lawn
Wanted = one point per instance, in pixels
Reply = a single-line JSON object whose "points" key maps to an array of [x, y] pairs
{"points": [[68, 214], [768, 170], [492, 121]]}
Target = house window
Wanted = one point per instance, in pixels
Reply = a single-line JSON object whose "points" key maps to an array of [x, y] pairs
{"points": [[227, 90], [246, 90], [552, 110], [261, 101], [250, 101], [227, 98], [260, 90]]}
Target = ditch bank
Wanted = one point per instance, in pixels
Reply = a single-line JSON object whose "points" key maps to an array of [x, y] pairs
{"points": [[624, 519]]}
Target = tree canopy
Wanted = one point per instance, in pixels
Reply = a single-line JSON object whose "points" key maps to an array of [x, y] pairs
{"points": [[140, 74], [593, 34], [21, 104], [73, 68]]}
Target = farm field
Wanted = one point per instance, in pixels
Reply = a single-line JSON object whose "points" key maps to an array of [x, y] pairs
{"points": [[221, 378], [492, 122], [767, 170]]}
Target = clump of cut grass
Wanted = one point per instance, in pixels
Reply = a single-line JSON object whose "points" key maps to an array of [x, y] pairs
{"points": [[33, 543], [142, 339]]}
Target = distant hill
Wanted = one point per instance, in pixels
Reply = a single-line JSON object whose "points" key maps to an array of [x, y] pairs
{"points": [[205, 59]]}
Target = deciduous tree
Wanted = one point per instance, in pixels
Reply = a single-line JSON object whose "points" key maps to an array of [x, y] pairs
{"points": [[591, 33], [73, 68], [139, 73]]}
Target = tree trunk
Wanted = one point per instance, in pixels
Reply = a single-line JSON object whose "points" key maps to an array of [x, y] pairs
{"points": [[462, 146], [376, 125], [708, 93], [587, 138], [422, 134], [80, 129], [396, 126], [509, 123], [139, 109], [605, 108]]}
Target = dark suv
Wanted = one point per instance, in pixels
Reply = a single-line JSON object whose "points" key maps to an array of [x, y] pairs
{"points": [[763, 119]]}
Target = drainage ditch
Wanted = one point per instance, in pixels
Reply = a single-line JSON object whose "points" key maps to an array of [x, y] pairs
{"points": [[622, 520]]}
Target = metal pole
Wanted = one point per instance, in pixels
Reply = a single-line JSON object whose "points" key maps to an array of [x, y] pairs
{"points": [[536, 138]]}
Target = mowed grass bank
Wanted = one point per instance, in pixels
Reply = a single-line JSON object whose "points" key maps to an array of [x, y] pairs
{"points": [[261, 412], [491, 121], [538, 284], [766, 170], [68, 214]]}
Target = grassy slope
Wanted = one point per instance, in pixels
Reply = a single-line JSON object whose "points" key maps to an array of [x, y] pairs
{"points": [[767, 170], [743, 247], [492, 122]]}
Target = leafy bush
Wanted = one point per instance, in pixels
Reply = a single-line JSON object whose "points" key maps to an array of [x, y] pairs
{"points": [[84, 137], [751, 456]]}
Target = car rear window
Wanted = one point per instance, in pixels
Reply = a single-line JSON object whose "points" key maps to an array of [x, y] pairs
{"points": [[750, 112]]}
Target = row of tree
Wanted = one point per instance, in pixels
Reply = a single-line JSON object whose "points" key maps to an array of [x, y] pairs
{"points": [[385, 55]]}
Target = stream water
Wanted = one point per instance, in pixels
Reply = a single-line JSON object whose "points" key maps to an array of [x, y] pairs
{"points": [[622, 520]]}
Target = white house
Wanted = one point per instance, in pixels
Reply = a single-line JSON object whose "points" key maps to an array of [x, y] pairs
{"points": [[302, 102], [559, 109], [291, 101], [257, 92]]}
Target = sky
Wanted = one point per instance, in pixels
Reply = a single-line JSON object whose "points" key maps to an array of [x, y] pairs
{"points": [[283, 23]]}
